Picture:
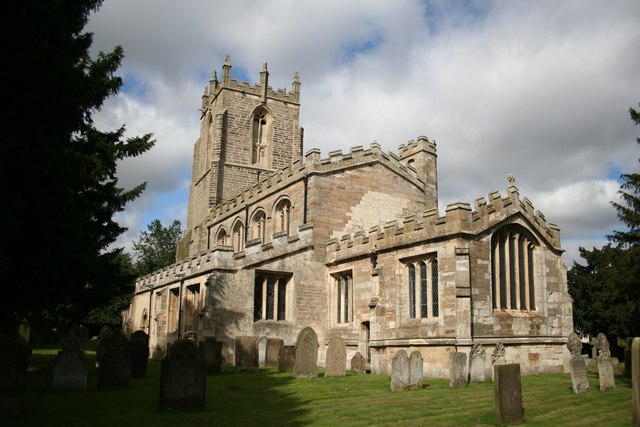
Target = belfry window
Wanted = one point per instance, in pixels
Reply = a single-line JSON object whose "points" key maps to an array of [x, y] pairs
{"points": [[270, 296], [424, 296], [343, 297], [260, 138], [512, 269]]}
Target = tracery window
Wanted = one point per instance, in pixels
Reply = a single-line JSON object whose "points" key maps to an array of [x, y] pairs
{"points": [[424, 292], [512, 269], [260, 137], [343, 297], [270, 296]]}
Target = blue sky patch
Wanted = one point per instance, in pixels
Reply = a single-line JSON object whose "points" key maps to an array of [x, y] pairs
{"points": [[361, 47], [135, 87]]}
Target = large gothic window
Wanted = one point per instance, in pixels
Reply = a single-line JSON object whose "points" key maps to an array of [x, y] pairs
{"points": [[512, 269], [424, 293], [260, 130]]}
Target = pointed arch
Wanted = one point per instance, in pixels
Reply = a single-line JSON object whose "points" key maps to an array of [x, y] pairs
{"points": [[282, 215], [261, 137], [238, 236], [222, 238], [258, 225]]}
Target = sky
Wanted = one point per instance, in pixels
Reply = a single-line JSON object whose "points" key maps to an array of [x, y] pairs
{"points": [[537, 89]]}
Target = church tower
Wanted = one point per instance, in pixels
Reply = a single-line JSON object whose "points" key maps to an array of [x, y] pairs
{"points": [[246, 133]]}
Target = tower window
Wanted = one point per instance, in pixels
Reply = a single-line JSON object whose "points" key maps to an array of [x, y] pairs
{"points": [[260, 138]]}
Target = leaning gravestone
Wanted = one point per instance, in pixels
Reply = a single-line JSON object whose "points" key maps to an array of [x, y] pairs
{"points": [[358, 363], [272, 351], [635, 380], [14, 359], [114, 370], [211, 351], [70, 366], [306, 365], [247, 359], [139, 353], [183, 377], [508, 392], [577, 365], [415, 370], [498, 357], [458, 376], [605, 364], [286, 358], [477, 360], [336, 358]]}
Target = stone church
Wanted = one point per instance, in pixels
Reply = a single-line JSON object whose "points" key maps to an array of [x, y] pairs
{"points": [[352, 245]]}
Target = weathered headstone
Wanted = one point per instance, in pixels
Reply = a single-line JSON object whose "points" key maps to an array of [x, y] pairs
{"points": [[14, 359], [458, 376], [190, 335], [247, 354], [605, 364], [139, 353], [211, 351], [477, 360], [358, 363], [114, 363], [306, 365], [635, 380], [262, 351], [498, 357], [415, 370], [508, 392], [24, 331], [272, 351], [400, 371], [577, 365], [70, 366], [627, 358], [286, 358], [336, 365], [182, 378], [105, 333]]}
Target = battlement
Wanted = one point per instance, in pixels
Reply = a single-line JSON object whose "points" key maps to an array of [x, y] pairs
{"points": [[261, 89], [459, 218], [422, 143]]}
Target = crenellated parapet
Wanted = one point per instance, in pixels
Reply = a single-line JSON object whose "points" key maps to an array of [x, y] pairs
{"points": [[459, 219]]}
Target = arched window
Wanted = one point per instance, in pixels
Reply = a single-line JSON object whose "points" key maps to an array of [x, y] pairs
{"points": [[221, 237], [260, 137], [258, 222], [238, 237], [512, 269], [424, 297], [282, 216]]}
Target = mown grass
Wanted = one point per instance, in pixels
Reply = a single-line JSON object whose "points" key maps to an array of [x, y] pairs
{"points": [[269, 398]]}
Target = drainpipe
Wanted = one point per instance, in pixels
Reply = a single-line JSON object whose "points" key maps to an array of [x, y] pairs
{"points": [[305, 180]]}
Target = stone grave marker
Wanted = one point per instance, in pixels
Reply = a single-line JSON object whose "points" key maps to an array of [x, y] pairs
{"points": [[635, 380], [14, 359], [24, 331], [477, 360], [458, 376], [272, 351], [605, 364], [139, 353], [358, 363], [508, 392], [498, 357], [190, 335], [306, 364], [183, 377], [247, 359], [286, 358], [70, 366], [262, 351], [114, 362], [211, 352], [627, 358], [415, 370], [336, 358], [577, 365], [400, 371]]}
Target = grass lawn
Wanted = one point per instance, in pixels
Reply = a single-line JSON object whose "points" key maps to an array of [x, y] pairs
{"points": [[272, 399]]}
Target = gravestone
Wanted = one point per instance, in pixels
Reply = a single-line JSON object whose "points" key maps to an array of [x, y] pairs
{"points": [[211, 352], [605, 364], [415, 370], [358, 363], [70, 366], [190, 335], [477, 360], [24, 331], [247, 354], [508, 392], [183, 377], [306, 364], [336, 365], [458, 376], [272, 351], [400, 371], [627, 358], [262, 351], [14, 359], [635, 380], [577, 365], [114, 362], [105, 333], [286, 358], [139, 353], [498, 357]]}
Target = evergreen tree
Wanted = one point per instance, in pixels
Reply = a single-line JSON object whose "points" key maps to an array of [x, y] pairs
{"points": [[156, 247], [58, 178]]}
